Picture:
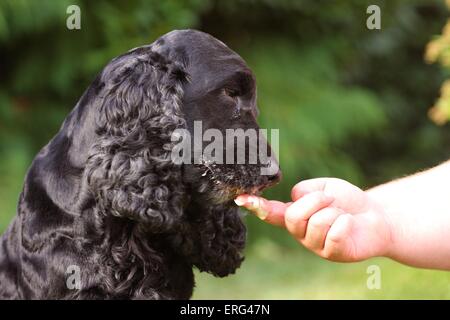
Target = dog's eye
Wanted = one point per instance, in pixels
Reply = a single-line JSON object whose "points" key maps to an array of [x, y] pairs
{"points": [[230, 92]]}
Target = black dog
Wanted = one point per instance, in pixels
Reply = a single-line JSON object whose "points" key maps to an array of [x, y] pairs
{"points": [[104, 199]]}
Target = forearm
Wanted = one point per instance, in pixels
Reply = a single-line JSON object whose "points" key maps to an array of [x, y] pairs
{"points": [[417, 208]]}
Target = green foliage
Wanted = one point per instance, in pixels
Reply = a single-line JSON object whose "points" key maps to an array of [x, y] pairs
{"points": [[438, 50], [301, 95]]}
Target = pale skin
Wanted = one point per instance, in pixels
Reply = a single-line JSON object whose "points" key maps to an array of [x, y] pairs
{"points": [[407, 220]]}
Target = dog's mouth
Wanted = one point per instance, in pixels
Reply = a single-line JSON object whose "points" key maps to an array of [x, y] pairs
{"points": [[223, 183], [228, 193], [224, 192], [254, 191]]}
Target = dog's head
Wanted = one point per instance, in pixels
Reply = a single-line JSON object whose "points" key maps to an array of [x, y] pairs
{"points": [[126, 132], [225, 152]]}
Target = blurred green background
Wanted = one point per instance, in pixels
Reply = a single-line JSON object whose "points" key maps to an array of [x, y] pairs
{"points": [[349, 102]]}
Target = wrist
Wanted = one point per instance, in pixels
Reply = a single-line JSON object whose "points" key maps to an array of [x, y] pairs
{"points": [[387, 227]]}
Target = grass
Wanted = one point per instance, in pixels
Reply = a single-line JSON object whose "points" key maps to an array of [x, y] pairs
{"points": [[273, 272]]}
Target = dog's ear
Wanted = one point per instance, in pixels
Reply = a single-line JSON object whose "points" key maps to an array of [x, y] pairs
{"points": [[129, 170], [214, 239]]}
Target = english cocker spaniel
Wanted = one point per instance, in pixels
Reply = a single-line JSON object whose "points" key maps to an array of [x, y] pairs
{"points": [[106, 212]]}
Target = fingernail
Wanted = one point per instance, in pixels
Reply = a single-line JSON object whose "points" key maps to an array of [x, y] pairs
{"points": [[255, 206], [262, 214], [239, 202]]}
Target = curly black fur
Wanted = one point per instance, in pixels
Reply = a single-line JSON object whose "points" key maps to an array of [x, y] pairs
{"points": [[105, 196]]}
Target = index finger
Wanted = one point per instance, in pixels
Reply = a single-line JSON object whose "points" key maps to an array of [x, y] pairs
{"points": [[271, 211]]}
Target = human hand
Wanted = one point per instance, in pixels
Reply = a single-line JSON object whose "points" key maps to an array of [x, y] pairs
{"points": [[329, 216]]}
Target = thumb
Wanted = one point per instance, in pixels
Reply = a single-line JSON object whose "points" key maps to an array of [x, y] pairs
{"points": [[271, 211]]}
